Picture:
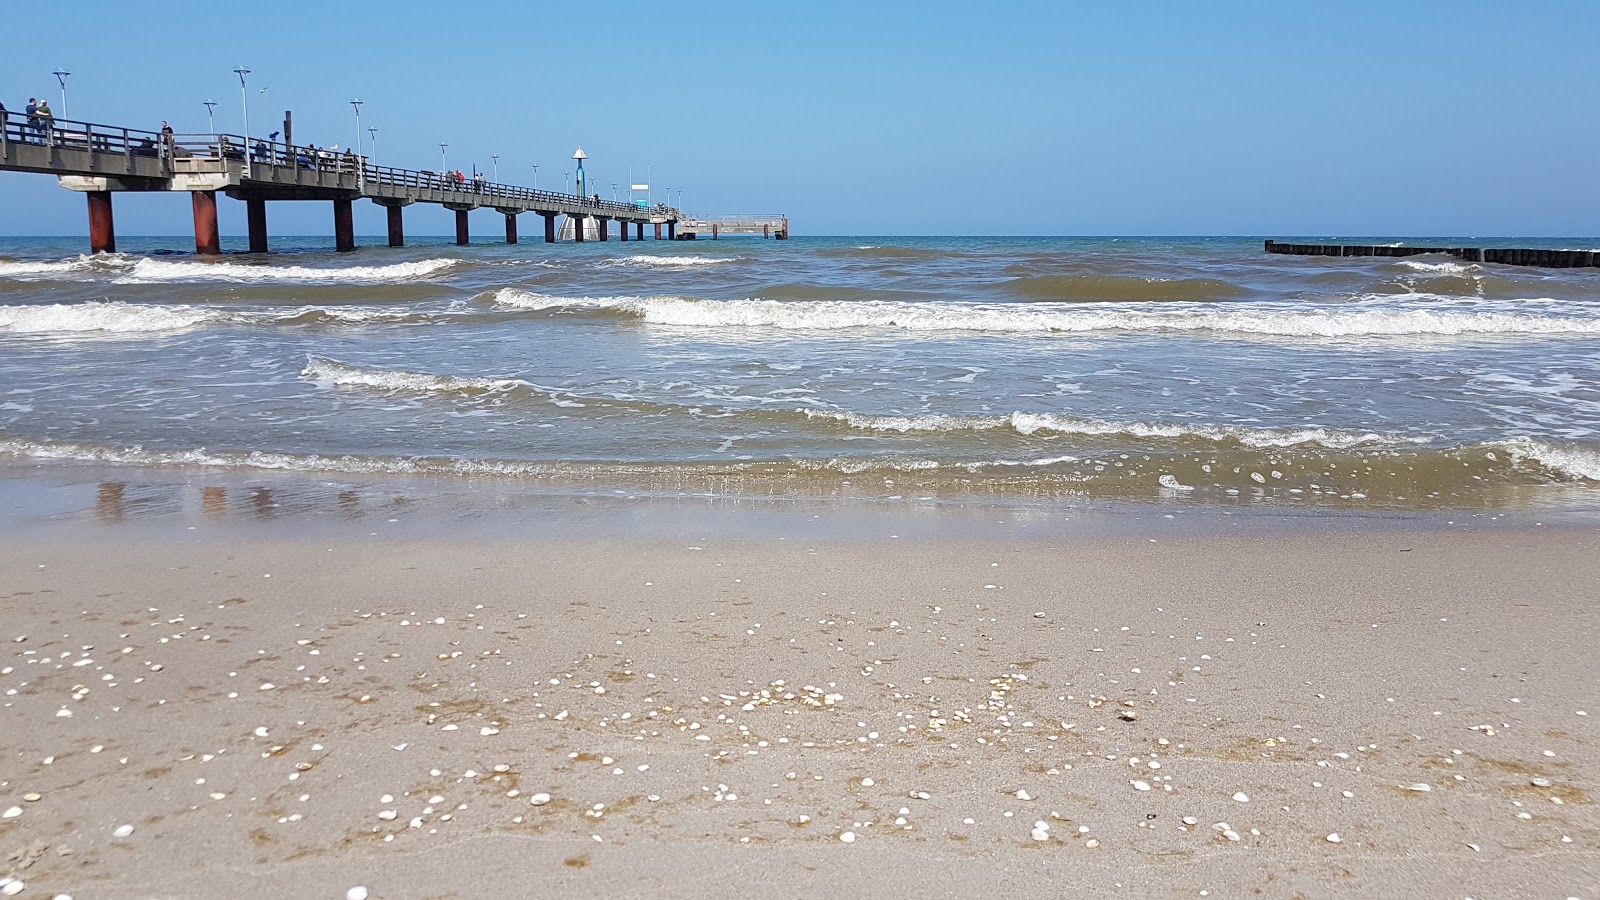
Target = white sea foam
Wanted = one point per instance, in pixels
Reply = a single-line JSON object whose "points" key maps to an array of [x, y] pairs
{"points": [[1439, 268], [1056, 318], [673, 262], [1048, 423], [1575, 463], [84, 264], [155, 271], [112, 317], [333, 372]]}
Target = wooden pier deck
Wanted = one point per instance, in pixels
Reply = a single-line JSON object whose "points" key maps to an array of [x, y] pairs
{"points": [[101, 160], [1556, 259]]}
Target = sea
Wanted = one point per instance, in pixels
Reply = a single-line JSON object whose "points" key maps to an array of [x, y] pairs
{"points": [[1018, 372]]}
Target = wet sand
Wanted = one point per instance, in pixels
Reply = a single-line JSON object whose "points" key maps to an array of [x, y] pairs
{"points": [[1398, 711]]}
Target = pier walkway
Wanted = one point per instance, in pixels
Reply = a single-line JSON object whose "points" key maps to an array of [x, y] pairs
{"points": [[101, 160], [767, 226]]}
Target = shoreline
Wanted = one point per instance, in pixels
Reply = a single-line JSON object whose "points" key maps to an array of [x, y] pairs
{"points": [[977, 667]]}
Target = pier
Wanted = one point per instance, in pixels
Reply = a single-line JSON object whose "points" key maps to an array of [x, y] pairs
{"points": [[1555, 259], [768, 226], [101, 161]]}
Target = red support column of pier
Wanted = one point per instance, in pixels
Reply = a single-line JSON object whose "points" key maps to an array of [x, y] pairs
{"points": [[344, 225], [638, 231], [102, 233], [256, 219], [549, 227], [766, 231], [713, 231], [207, 242], [511, 229], [397, 226], [461, 227], [658, 231], [605, 228]]}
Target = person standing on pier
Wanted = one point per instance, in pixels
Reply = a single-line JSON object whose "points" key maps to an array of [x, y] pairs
{"points": [[32, 110], [47, 119]]}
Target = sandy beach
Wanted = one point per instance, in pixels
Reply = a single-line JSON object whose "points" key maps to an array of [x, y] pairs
{"points": [[1393, 710]]}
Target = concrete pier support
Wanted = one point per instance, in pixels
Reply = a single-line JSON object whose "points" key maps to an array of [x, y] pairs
{"points": [[511, 228], [577, 228], [604, 227], [344, 225], [622, 230], [255, 210], [397, 226], [207, 242], [672, 231], [766, 232], [658, 231], [102, 232], [549, 227], [461, 227], [713, 231], [638, 231]]}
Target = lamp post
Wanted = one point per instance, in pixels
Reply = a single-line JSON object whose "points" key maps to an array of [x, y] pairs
{"points": [[441, 158], [374, 132], [496, 158], [613, 192], [244, 103], [356, 105], [211, 115], [61, 76], [536, 176], [564, 188]]}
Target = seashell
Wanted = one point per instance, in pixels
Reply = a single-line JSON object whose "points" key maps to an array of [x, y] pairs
{"points": [[539, 799]]}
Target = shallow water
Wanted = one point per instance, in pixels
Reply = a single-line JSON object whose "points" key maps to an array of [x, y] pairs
{"points": [[1012, 369]]}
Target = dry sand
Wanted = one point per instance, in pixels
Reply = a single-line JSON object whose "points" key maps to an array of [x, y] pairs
{"points": [[285, 717]]}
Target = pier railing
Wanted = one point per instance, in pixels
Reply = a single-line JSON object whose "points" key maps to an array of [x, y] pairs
{"points": [[98, 139]]}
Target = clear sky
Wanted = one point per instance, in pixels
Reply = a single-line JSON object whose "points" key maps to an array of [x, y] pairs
{"points": [[1181, 117]]}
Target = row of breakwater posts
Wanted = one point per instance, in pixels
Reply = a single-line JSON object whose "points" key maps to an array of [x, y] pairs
{"points": [[101, 160], [1554, 259]]}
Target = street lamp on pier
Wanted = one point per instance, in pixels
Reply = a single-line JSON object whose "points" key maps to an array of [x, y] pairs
{"points": [[61, 76], [211, 115], [441, 158], [356, 105], [374, 132], [496, 158], [244, 103], [564, 188], [536, 176]]}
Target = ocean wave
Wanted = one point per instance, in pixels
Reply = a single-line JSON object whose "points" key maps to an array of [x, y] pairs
{"points": [[156, 271], [333, 372], [111, 317], [673, 262], [1045, 318], [1026, 424], [1438, 268], [1460, 471], [1123, 288], [36, 269]]}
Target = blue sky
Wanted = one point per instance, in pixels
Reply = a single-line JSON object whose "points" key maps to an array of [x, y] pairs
{"points": [[1422, 118]]}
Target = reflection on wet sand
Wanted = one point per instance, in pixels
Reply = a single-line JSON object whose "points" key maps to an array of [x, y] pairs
{"points": [[109, 506], [119, 501]]}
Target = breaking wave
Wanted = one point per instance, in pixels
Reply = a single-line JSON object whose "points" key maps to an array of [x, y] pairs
{"points": [[333, 372], [109, 317], [1047, 318], [148, 271], [1044, 423], [673, 262]]}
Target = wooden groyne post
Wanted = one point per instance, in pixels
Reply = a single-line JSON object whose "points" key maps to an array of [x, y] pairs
{"points": [[1553, 259]]}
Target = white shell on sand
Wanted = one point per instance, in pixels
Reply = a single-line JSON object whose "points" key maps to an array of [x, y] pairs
{"points": [[1141, 785], [539, 799], [11, 813], [359, 892], [11, 888], [1420, 788], [1024, 795], [849, 837], [1335, 838], [122, 831], [1242, 797]]}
